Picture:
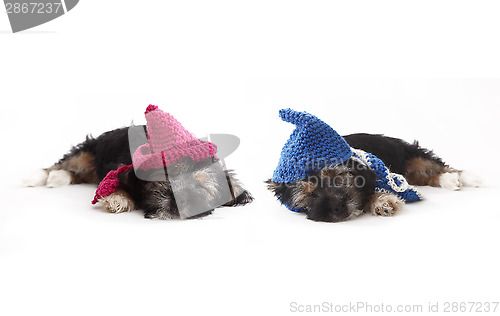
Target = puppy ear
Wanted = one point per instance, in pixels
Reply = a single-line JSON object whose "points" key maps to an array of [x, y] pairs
{"points": [[240, 195], [273, 186], [303, 194], [308, 187]]}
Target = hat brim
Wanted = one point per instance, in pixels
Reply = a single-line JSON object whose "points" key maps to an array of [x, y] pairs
{"points": [[145, 159]]}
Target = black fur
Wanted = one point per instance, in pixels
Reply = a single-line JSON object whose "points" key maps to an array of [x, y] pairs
{"points": [[334, 203], [394, 152], [111, 150]]}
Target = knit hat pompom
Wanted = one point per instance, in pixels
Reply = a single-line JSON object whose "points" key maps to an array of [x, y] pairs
{"points": [[150, 108]]}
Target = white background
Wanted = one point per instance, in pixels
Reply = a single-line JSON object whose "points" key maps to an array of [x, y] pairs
{"points": [[392, 67]]}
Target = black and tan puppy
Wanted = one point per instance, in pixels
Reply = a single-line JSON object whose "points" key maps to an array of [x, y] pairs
{"points": [[333, 178], [345, 191], [90, 161]]}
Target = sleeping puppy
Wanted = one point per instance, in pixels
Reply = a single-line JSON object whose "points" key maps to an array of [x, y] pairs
{"points": [[347, 190], [374, 175], [186, 189]]}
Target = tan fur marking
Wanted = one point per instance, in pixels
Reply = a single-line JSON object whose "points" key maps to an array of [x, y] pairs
{"points": [[82, 162], [307, 187], [333, 172], [302, 194], [81, 167], [420, 171]]}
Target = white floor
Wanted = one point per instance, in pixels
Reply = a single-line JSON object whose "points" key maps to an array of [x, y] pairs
{"points": [[228, 67], [62, 255]]}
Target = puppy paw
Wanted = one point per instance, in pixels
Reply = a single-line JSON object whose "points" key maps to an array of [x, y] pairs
{"points": [[244, 198], [470, 180], [58, 178], [35, 179], [385, 204], [163, 215], [117, 202], [450, 181]]}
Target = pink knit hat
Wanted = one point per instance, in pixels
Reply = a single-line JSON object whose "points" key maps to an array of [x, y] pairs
{"points": [[168, 142]]}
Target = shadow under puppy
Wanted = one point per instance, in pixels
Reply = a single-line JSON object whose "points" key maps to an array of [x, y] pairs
{"points": [[319, 173], [170, 175]]}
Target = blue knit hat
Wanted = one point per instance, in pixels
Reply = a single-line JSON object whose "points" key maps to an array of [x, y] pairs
{"points": [[313, 145]]}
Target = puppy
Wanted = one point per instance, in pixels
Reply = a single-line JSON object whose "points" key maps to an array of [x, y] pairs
{"points": [[195, 183], [347, 190]]}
